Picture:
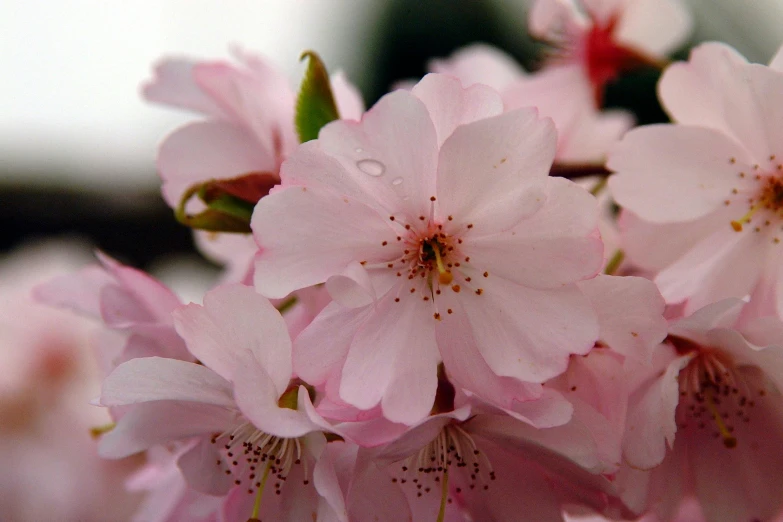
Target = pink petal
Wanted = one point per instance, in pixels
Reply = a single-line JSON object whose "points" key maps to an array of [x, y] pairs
{"points": [[550, 248], [451, 105], [701, 275], [526, 333], [562, 93], [198, 468], [150, 293], [466, 367], [320, 350], [261, 100], [393, 358], [352, 288], [490, 171], [668, 173], [720, 314], [257, 397], [236, 320], [480, 63], [157, 379], [717, 88], [173, 84], [79, 292], [162, 422], [591, 135], [651, 424], [203, 151], [630, 314], [641, 239], [744, 482], [337, 230], [571, 441], [390, 155], [326, 484], [349, 100], [656, 27], [548, 18], [373, 496], [420, 435]]}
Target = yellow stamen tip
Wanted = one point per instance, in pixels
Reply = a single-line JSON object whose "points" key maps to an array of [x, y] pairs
{"points": [[737, 226], [445, 278]]}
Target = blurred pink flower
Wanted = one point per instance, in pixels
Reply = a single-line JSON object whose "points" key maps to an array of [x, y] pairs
{"points": [[596, 40], [49, 467], [584, 133]]}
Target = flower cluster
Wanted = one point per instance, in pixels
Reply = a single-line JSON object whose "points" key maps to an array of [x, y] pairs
{"points": [[425, 317]]}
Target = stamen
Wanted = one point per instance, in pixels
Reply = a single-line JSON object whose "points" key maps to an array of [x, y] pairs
{"points": [[729, 440], [444, 276], [737, 225], [444, 495]]}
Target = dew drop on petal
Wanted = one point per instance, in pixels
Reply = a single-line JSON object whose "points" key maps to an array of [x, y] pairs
{"points": [[397, 181], [371, 167]]}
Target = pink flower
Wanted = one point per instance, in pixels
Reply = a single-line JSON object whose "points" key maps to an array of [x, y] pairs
{"points": [[432, 217], [709, 185], [596, 40], [254, 426], [48, 373], [484, 466], [167, 495], [248, 131], [584, 134], [134, 308], [712, 398]]}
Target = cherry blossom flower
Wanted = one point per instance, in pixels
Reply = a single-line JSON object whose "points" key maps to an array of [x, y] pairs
{"points": [[254, 426], [248, 131], [713, 398], [709, 185], [433, 215], [595, 40], [134, 308], [467, 461]]}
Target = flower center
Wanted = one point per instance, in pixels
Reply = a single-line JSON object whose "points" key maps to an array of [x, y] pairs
{"points": [[760, 192], [427, 254], [712, 392], [429, 468], [253, 456]]}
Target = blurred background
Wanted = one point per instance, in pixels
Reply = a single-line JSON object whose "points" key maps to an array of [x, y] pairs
{"points": [[77, 143]]}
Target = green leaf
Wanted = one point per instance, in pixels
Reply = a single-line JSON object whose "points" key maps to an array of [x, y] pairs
{"points": [[315, 105]]}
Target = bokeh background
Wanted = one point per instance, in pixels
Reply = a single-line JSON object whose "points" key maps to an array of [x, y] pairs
{"points": [[77, 144]]}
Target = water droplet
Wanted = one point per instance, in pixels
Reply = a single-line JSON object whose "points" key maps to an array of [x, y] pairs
{"points": [[371, 167], [359, 150], [397, 181]]}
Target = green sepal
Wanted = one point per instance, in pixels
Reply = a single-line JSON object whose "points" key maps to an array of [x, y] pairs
{"points": [[315, 105], [224, 212]]}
